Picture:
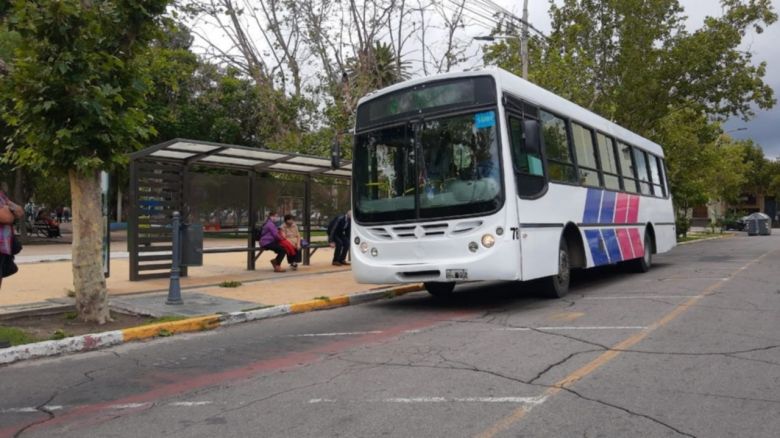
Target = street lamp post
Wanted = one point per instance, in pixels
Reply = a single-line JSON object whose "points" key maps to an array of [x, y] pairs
{"points": [[524, 40]]}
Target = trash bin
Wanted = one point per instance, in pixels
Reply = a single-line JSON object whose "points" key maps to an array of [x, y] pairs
{"points": [[192, 245], [758, 224]]}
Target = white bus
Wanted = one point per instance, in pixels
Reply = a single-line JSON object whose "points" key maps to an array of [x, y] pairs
{"points": [[484, 176]]}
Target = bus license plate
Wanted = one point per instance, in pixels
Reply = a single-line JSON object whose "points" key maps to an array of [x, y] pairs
{"points": [[457, 274]]}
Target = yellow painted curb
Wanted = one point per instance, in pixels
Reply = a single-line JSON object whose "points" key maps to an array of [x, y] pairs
{"points": [[185, 325], [403, 290], [308, 306]]}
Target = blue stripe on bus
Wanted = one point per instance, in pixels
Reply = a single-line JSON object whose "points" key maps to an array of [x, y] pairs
{"points": [[592, 204], [597, 250], [608, 208], [613, 248]]}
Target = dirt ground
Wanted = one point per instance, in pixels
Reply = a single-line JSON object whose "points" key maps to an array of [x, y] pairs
{"points": [[66, 324]]}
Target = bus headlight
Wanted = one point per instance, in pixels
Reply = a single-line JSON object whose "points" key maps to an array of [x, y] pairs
{"points": [[473, 247], [364, 247], [374, 252], [488, 240]]}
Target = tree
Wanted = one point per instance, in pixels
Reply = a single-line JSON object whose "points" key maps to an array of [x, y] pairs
{"points": [[75, 99]]}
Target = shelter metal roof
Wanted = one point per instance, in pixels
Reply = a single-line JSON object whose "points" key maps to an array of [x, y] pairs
{"points": [[196, 152]]}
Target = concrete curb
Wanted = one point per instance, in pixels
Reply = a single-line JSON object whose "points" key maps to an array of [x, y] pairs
{"points": [[96, 341]]}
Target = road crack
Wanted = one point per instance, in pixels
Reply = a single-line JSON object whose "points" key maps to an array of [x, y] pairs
{"points": [[41, 408]]}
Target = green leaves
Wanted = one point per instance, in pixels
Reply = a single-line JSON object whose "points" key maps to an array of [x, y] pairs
{"points": [[76, 97]]}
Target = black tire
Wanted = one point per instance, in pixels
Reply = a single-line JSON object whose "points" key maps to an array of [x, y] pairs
{"points": [[644, 263], [557, 286], [439, 290]]}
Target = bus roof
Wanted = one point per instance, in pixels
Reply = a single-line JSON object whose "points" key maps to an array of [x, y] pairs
{"points": [[535, 94]]}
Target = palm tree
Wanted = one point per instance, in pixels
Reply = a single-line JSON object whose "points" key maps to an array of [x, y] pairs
{"points": [[376, 67]]}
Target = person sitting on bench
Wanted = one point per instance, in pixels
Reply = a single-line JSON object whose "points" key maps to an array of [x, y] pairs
{"points": [[269, 239]]}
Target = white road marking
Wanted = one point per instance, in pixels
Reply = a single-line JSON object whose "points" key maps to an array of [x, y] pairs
{"points": [[189, 404], [619, 327], [33, 410], [638, 297], [404, 400], [128, 406], [308, 335], [30, 410]]}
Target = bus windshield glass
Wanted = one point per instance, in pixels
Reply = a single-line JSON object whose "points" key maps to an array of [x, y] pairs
{"points": [[453, 172]]}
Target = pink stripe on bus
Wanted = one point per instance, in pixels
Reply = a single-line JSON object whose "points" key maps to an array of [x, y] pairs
{"points": [[636, 242], [625, 243], [633, 209], [621, 208]]}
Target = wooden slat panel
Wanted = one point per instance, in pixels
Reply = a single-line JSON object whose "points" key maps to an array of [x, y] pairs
{"points": [[154, 267], [155, 257], [150, 248], [166, 176], [142, 239], [156, 275]]}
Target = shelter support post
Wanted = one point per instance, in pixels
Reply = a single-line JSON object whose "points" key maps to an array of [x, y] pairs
{"points": [[132, 221], [307, 218], [252, 223]]}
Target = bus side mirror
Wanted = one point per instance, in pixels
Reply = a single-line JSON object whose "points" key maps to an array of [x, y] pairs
{"points": [[533, 136], [335, 154]]}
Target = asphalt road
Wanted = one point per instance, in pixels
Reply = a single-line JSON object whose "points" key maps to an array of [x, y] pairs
{"points": [[691, 348]]}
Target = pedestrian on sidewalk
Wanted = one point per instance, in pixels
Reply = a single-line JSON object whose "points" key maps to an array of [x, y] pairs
{"points": [[291, 233], [338, 237], [9, 213], [269, 239]]}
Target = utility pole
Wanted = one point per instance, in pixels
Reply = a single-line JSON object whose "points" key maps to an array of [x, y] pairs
{"points": [[524, 40]]}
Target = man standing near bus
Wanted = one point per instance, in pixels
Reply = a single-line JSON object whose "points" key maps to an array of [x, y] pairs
{"points": [[338, 238]]}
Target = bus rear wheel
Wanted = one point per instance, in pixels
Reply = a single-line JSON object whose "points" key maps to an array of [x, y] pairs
{"points": [[439, 289], [643, 263], [557, 286]]}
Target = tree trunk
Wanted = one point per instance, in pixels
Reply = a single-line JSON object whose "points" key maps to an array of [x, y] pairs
{"points": [[88, 279]]}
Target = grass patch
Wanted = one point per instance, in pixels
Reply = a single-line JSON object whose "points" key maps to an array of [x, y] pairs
{"points": [[698, 236], [70, 293], [230, 283], [15, 336], [59, 334], [70, 316], [164, 333], [169, 318], [322, 298]]}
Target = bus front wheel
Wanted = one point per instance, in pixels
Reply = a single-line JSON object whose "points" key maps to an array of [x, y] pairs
{"points": [[439, 289], [557, 286]]}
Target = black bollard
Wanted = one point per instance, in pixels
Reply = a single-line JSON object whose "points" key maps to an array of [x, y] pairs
{"points": [[174, 290]]}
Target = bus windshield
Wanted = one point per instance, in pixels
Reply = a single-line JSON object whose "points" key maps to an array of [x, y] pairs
{"points": [[454, 171]]}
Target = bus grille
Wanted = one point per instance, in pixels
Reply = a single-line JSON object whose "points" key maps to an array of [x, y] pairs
{"points": [[409, 232]]}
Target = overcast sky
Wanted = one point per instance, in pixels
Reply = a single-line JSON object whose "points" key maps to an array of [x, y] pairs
{"points": [[764, 128]]}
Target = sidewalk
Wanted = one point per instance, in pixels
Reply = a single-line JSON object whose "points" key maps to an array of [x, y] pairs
{"points": [[51, 280]]}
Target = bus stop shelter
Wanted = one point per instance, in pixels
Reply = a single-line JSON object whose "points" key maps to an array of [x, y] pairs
{"points": [[160, 179]]}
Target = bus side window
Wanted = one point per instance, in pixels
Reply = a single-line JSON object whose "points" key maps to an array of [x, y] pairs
{"points": [[627, 168], [609, 165], [655, 175], [645, 184], [586, 155], [527, 163], [560, 165]]}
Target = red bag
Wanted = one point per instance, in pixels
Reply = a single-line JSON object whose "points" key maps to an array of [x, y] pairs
{"points": [[288, 247]]}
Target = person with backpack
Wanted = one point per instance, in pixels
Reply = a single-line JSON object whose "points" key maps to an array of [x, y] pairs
{"points": [[338, 237], [271, 240]]}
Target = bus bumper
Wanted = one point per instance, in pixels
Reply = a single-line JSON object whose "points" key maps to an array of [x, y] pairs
{"points": [[442, 261]]}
